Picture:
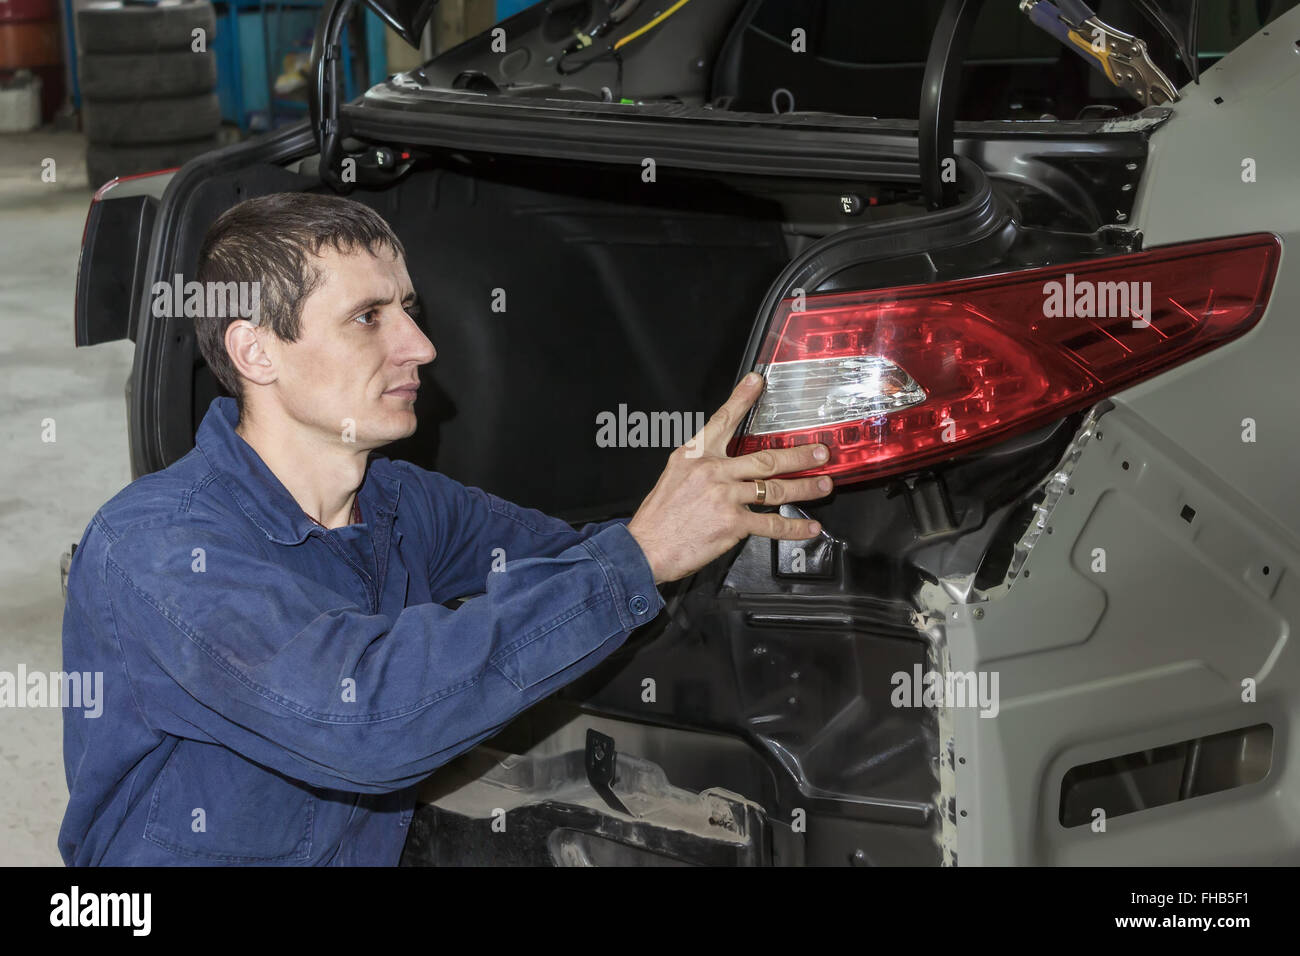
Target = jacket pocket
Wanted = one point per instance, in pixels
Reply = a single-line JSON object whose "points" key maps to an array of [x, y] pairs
{"points": [[211, 804]]}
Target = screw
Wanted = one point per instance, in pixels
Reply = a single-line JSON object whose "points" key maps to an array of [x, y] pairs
{"points": [[978, 613]]}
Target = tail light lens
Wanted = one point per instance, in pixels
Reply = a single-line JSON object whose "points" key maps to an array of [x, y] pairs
{"points": [[892, 380]]}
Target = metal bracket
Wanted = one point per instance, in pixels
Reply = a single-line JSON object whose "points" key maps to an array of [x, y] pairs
{"points": [[600, 768], [1126, 240]]}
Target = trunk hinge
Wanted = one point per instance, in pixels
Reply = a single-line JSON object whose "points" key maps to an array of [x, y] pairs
{"points": [[940, 91], [326, 58]]}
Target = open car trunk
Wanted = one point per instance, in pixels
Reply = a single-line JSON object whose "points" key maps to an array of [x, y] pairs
{"points": [[748, 723], [585, 321]]}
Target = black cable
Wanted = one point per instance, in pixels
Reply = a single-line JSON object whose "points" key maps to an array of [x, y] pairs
{"points": [[607, 54]]}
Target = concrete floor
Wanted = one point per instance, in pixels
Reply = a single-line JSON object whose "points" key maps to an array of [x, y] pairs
{"points": [[48, 491]]}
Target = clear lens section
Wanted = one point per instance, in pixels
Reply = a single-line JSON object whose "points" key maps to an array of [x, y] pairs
{"points": [[831, 391]]}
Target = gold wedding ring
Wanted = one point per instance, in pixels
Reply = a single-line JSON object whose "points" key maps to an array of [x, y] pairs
{"points": [[760, 491]]}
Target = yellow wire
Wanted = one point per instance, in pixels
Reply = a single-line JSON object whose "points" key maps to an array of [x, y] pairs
{"points": [[652, 24]]}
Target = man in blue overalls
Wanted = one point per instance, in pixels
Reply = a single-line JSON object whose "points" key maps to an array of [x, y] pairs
{"points": [[280, 672]]}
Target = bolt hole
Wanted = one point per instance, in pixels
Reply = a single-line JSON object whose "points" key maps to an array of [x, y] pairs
{"points": [[1098, 436], [1124, 465], [1266, 570], [961, 759], [1026, 574], [1071, 491], [1049, 529], [1188, 513], [963, 813]]}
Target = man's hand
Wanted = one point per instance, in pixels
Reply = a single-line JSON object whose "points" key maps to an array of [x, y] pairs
{"points": [[698, 509]]}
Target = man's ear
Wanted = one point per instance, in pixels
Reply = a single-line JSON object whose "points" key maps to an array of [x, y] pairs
{"points": [[244, 342]]}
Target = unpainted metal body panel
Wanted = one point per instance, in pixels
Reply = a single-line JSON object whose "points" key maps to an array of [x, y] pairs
{"points": [[1201, 535]]}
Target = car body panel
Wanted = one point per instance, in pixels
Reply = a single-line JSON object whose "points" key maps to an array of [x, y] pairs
{"points": [[1196, 605]]}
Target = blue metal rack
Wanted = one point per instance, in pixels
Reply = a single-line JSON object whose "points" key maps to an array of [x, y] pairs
{"points": [[227, 48], [271, 14]]}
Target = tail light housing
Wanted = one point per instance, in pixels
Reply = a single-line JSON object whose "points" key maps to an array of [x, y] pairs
{"points": [[897, 379], [114, 253]]}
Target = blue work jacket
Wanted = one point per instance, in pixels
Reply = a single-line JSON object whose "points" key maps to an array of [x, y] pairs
{"points": [[273, 691]]}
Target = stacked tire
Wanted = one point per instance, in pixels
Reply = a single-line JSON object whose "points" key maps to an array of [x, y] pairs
{"points": [[148, 96]]}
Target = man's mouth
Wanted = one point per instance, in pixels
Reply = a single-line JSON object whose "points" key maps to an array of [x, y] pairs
{"points": [[407, 392]]}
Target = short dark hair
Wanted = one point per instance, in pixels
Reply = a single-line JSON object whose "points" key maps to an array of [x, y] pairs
{"points": [[268, 240]]}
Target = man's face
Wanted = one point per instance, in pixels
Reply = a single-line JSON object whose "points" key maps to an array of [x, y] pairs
{"points": [[358, 352]]}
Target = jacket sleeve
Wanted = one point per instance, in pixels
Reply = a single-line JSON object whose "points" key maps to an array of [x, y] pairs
{"points": [[292, 675], [478, 533]]}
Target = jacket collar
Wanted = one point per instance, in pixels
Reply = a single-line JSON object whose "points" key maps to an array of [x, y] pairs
{"points": [[261, 495]]}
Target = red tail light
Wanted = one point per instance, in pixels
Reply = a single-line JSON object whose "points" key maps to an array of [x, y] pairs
{"points": [[896, 379]]}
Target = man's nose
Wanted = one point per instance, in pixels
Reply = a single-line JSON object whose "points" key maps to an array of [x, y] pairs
{"points": [[416, 345]]}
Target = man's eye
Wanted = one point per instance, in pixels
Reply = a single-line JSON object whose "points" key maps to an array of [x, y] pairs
{"points": [[366, 315]]}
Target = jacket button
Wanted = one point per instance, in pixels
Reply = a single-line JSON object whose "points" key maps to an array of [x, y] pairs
{"points": [[638, 604]]}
